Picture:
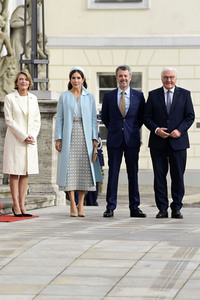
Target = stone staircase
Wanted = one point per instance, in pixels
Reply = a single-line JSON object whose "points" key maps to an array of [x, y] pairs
{"points": [[32, 201]]}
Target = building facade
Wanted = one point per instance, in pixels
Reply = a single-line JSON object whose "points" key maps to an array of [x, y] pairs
{"points": [[99, 35]]}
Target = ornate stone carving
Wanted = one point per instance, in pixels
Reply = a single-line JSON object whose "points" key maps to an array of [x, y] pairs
{"points": [[17, 28], [42, 55], [7, 62], [14, 45], [4, 11]]}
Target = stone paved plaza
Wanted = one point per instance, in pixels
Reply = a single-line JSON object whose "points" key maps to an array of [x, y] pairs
{"points": [[56, 257]]}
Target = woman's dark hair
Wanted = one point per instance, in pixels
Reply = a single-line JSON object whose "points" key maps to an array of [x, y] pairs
{"points": [[70, 76]]}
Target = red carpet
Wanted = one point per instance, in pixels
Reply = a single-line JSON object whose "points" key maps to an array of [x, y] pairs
{"points": [[12, 218]]}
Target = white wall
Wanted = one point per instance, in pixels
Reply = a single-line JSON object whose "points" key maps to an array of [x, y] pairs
{"points": [[171, 17]]}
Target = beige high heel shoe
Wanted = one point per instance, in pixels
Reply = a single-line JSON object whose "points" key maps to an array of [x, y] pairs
{"points": [[79, 214], [73, 212]]}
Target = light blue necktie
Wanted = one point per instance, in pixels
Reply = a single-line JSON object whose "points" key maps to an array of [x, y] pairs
{"points": [[168, 105]]}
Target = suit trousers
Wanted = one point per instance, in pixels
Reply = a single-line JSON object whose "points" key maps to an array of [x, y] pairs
{"points": [[114, 162], [175, 160]]}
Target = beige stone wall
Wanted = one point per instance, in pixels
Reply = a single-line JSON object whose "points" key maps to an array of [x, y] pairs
{"points": [[171, 17], [148, 61], [166, 34]]}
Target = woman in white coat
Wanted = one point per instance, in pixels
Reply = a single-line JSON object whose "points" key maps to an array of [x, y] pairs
{"points": [[22, 118], [76, 137]]}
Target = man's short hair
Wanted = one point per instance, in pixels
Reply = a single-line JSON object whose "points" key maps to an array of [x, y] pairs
{"points": [[165, 69], [124, 68]]}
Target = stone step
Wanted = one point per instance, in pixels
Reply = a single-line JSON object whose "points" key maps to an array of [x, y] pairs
{"points": [[5, 191], [32, 202]]}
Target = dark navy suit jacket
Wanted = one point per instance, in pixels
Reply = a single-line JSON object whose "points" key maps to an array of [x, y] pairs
{"points": [[181, 117], [120, 128]]}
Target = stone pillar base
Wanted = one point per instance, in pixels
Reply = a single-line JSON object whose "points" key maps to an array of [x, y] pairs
{"points": [[45, 181]]}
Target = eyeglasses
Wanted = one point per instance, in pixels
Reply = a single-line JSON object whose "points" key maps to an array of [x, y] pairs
{"points": [[169, 77]]}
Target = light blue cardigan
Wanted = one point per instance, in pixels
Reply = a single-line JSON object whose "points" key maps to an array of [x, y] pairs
{"points": [[63, 129]]}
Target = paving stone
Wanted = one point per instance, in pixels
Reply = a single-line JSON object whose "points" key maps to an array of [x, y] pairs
{"points": [[55, 257]]}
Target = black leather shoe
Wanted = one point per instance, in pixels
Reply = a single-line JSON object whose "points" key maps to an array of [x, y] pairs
{"points": [[162, 214], [137, 213], [108, 213], [26, 215], [16, 215], [177, 214]]}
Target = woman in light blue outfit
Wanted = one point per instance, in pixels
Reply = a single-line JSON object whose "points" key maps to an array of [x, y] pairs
{"points": [[76, 137]]}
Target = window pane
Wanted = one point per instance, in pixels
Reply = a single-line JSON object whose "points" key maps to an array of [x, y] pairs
{"points": [[107, 81], [101, 94], [136, 81]]}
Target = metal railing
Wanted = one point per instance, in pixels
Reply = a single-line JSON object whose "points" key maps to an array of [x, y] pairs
{"points": [[34, 61]]}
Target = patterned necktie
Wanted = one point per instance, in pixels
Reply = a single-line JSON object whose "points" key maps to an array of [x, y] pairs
{"points": [[122, 104], [168, 105]]}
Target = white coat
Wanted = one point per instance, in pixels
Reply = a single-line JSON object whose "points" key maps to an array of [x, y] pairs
{"points": [[20, 158]]}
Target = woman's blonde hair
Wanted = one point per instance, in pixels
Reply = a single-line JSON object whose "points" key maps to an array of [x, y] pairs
{"points": [[28, 76]]}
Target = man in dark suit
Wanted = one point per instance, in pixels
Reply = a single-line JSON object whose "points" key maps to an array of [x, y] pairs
{"points": [[122, 114], [169, 114]]}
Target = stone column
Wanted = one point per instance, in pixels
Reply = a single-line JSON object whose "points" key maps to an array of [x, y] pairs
{"points": [[45, 181]]}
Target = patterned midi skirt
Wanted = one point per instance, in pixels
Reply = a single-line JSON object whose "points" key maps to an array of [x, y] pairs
{"points": [[79, 175]]}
